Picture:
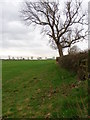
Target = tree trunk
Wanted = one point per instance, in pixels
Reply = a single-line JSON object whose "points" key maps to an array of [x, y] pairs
{"points": [[60, 50]]}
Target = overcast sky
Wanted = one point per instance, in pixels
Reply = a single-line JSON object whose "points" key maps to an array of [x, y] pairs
{"points": [[17, 39]]}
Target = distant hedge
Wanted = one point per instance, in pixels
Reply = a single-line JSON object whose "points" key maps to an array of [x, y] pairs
{"points": [[76, 63]]}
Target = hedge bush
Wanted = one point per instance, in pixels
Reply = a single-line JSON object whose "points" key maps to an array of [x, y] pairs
{"points": [[74, 63]]}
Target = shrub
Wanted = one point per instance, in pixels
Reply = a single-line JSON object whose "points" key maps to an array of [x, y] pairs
{"points": [[74, 62]]}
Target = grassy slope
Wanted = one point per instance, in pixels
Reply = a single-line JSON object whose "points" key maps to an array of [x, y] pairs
{"points": [[41, 89]]}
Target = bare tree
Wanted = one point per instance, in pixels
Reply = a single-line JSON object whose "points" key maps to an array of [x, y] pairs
{"points": [[64, 26], [73, 50], [31, 57], [9, 57]]}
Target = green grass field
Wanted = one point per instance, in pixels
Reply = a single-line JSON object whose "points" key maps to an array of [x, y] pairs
{"points": [[41, 89]]}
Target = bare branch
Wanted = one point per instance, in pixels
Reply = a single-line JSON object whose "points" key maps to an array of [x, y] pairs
{"points": [[62, 24]]}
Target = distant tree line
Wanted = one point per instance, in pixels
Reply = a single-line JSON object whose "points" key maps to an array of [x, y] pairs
{"points": [[27, 58]]}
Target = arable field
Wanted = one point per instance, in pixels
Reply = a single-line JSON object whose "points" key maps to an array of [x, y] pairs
{"points": [[41, 89]]}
